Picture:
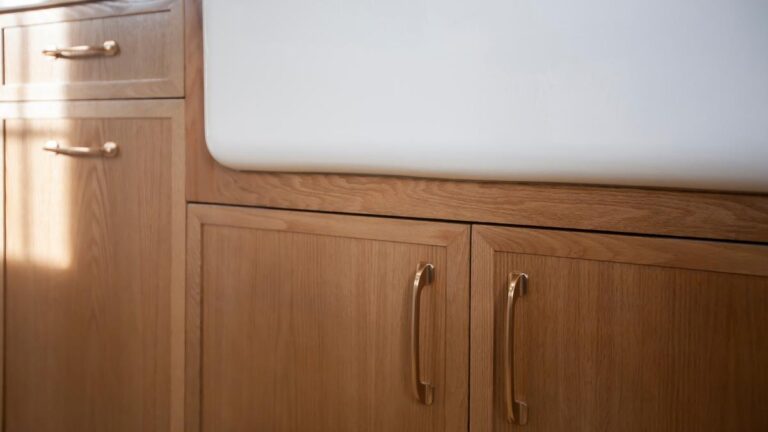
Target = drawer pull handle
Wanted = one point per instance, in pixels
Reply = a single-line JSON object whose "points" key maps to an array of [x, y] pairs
{"points": [[108, 49], [424, 390], [517, 411], [108, 150]]}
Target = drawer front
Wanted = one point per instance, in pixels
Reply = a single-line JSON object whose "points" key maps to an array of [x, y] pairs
{"points": [[93, 287], [102, 50], [18, 5]]}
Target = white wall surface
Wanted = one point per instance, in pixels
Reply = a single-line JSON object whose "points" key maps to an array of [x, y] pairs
{"points": [[640, 92]]}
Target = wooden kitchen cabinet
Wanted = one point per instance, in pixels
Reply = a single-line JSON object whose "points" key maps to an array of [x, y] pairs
{"points": [[617, 333], [93, 294], [94, 50], [304, 322]]}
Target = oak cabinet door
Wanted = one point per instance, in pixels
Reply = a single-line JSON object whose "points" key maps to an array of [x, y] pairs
{"points": [[93, 267], [586, 332], [303, 322]]}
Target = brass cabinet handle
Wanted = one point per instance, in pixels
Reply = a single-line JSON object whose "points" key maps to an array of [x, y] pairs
{"points": [[424, 390], [107, 49], [517, 411], [108, 150]]}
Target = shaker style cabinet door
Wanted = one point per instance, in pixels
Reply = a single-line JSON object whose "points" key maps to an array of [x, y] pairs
{"points": [[313, 322], [93, 291], [588, 332]]}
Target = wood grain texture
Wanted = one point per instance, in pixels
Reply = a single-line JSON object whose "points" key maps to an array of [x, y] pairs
{"points": [[674, 253], [2, 267], [628, 210], [300, 322], [48, 3], [95, 268], [606, 344], [150, 62]]}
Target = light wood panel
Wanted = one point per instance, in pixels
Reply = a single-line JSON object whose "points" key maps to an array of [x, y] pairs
{"points": [[2, 264], [621, 333], [664, 212], [94, 293], [150, 62], [48, 3], [300, 322]]}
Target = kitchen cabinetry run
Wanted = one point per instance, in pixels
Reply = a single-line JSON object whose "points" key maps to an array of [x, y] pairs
{"points": [[94, 271], [591, 332], [313, 322]]}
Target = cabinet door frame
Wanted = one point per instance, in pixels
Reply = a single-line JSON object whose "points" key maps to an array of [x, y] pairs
{"points": [[454, 237], [138, 109], [733, 258]]}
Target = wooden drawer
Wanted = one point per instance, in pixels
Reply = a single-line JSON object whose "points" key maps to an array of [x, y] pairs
{"points": [[19, 5], [93, 290], [146, 63]]}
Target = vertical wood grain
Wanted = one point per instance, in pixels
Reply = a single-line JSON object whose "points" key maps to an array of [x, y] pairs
{"points": [[668, 343], [482, 343], [193, 321], [457, 327], [95, 263], [304, 322], [2, 272], [178, 234]]}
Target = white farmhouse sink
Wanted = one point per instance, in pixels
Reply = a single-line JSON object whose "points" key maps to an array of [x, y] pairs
{"points": [[634, 92]]}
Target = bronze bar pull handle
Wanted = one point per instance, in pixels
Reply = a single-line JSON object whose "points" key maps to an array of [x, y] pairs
{"points": [[107, 49], [424, 390], [108, 150], [517, 411]]}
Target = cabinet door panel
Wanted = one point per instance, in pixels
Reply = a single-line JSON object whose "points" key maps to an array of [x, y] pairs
{"points": [[618, 333], [306, 320], [92, 262]]}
